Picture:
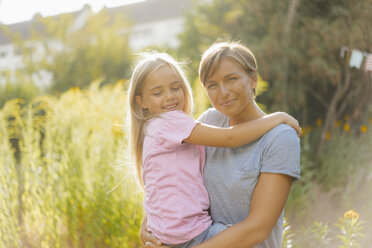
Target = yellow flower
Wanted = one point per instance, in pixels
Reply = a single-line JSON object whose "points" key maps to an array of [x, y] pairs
{"points": [[347, 127], [319, 122], [364, 129], [306, 130], [346, 117], [351, 214], [107, 240], [309, 129], [121, 81], [328, 136], [117, 128], [340, 221], [75, 88], [337, 123]]}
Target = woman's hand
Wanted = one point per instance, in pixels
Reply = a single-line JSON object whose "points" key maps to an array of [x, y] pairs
{"points": [[289, 120], [149, 240]]}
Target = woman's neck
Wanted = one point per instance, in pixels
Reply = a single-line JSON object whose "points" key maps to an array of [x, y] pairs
{"points": [[252, 113]]}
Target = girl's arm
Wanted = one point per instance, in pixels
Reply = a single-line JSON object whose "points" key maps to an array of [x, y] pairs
{"points": [[241, 134], [268, 200]]}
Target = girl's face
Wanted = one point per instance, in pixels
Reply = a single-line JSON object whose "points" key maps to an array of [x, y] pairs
{"points": [[230, 89], [162, 92]]}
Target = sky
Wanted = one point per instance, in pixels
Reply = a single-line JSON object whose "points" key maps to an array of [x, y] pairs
{"points": [[13, 11]]}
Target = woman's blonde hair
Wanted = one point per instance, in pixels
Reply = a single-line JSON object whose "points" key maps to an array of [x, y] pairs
{"points": [[150, 62], [212, 57]]}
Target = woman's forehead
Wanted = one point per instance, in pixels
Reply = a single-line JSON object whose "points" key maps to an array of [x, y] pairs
{"points": [[224, 67]]}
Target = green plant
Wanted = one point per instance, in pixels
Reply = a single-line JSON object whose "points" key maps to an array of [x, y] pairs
{"points": [[351, 230], [11, 90], [65, 180]]}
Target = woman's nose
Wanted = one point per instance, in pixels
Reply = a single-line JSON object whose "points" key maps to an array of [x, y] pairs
{"points": [[224, 90]]}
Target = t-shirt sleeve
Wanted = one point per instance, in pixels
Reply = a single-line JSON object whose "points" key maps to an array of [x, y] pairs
{"points": [[175, 127], [282, 155], [204, 117]]}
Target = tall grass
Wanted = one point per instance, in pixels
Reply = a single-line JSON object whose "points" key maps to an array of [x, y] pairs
{"points": [[64, 177]]}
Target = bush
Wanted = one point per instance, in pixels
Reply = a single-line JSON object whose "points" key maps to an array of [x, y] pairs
{"points": [[65, 181], [12, 90]]}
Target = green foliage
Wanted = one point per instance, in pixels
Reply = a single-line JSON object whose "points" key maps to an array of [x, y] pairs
{"points": [[315, 235], [24, 91], [77, 56], [349, 232], [19, 88], [298, 53], [343, 157], [302, 190], [65, 180]]}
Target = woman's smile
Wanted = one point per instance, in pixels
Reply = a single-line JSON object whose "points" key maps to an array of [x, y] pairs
{"points": [[228, 102]]}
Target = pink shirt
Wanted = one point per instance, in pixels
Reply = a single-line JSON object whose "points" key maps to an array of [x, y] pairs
{"points": [[176, 200]]}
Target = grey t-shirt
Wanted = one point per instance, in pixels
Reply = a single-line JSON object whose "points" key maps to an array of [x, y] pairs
{"points": [[231, 174]]}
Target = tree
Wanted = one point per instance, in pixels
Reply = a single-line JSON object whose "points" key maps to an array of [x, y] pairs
{"points": [[297, 45], [76, 56]]}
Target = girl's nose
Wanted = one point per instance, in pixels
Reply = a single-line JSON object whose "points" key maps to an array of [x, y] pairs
{"points": [[170, 94]]}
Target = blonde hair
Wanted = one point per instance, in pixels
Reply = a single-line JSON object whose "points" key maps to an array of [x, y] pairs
{"points": [[234, 50], [150, 62]]}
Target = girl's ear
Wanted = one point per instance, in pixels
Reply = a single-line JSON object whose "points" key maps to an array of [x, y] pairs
{"points": [[139, 102]]}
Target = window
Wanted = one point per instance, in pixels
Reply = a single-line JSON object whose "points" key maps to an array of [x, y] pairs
{"points": [[3, 54]]}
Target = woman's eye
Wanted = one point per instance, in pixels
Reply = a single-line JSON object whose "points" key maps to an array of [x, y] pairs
{"points": [[210, 86], [157, 93], [175, 88], [232, 79]]}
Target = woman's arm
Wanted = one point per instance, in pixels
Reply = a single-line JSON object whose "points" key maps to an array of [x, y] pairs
{"points": [[148, 240], [241, 134], [268, 200]]}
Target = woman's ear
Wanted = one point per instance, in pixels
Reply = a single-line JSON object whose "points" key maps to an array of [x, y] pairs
{"points": [[139, 102], [253, 81]]}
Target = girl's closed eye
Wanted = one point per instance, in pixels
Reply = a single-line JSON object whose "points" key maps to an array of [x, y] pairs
{"points": [[175, 88], [156, 93]]}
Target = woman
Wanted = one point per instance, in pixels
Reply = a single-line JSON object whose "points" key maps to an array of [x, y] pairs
{"points": [[247, 186]]}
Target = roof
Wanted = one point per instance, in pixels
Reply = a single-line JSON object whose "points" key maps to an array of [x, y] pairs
{"points": [[153, 10], [24, 29], [140, 12]]}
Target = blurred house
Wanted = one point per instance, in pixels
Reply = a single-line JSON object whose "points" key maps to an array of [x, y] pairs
{"points": [[155, 22]]}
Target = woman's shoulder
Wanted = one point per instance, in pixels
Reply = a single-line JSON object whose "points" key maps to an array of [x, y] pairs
{"points": [[212, 117], [282, 133]]}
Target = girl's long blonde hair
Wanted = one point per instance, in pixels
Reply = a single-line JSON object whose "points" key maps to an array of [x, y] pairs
{"points": [[149, 62]]}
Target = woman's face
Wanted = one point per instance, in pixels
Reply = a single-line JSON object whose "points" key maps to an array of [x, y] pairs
{"points": [[230, 89]]}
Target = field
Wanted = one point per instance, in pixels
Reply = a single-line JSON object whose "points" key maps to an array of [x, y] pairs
{"points": [[67, 180]]}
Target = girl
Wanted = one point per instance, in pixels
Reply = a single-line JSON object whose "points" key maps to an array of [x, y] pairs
{"points": [[166, 146]]}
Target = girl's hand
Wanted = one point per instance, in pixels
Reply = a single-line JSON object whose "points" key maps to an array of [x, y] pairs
{"points": [[149, 240], [289, 120]]}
